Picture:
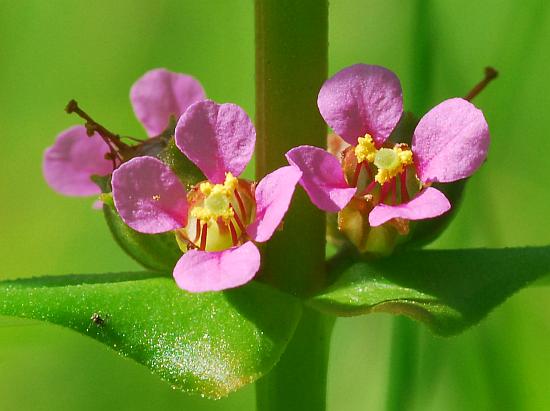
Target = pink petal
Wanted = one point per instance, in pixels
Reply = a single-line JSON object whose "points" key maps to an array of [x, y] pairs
{"points": [[362, 99], [73, 159], [428, 203], [148, 196], [218, 138], [273, 196], [322, 178], [199, 271], [159, 94], [450, 141]]}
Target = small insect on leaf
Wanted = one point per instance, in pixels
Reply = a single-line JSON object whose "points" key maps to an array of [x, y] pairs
{"points": [[97, 319]]}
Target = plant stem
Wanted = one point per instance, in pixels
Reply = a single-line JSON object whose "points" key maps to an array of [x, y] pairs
{"points": [[298, 382], [403, 365], [291, 66]]}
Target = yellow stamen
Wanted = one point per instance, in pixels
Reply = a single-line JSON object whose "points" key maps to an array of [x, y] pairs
{"points": [[365, 150], [217, 203], [391, 162]]}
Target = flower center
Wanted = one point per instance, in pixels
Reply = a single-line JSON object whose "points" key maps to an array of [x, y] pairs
{"points": [[391, 162], [365, 150], [217, 203], [219, 215], [386, 158]]}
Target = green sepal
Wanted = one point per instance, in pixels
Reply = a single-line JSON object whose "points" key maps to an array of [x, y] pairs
{"points": [[103, 182], [448, 290], [209, 343], [403, 131], [188, 172], [157, 252], [423, 232]]}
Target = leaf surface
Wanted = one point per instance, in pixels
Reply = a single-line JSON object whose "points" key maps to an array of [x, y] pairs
{"points": [[208, 343], [449, 290]]}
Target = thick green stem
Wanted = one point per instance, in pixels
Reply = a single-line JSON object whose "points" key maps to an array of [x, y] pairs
{"points": [[298, 382], [403, 365], [291, 66]]}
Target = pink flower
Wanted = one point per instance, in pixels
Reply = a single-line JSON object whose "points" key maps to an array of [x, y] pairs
{"points": [[75, 156], [363, 104], [216, 220]]}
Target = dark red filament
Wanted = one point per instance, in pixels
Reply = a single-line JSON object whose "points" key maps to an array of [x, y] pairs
{"points": [[403, 184], [241, 204], [237, 219], [197, 231], [371, 186], [233, 233], [203, 236]]}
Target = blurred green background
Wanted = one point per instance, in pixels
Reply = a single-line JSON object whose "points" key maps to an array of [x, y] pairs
{"points": [[93, 51]]}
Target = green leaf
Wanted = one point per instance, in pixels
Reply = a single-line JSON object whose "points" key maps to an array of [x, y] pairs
{"points": [[158, 252], [208, 343], [449, 290]]}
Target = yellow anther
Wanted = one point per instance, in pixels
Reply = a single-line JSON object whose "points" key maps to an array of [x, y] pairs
{"points": [[365, 150], [206, 188], [217, 203], [391, 162], [230, 182]]}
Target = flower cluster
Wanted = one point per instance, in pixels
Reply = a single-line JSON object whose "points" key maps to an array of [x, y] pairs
{"points": [[389, 181], [216, 221], [375, 185]]}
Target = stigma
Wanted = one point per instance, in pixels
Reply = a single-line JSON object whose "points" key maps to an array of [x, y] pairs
{"points": [[217, 201], [218, 215], [391, 162]]}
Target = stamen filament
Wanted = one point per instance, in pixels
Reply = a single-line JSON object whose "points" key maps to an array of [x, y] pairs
{"points": [[241, 204], [403, 184], [394, 191], [233, 233], [197, 231], [204, 232], [238, 220], [370, 187]]}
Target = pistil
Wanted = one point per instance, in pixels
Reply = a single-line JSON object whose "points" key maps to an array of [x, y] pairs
{"points": [[391, 162]]}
